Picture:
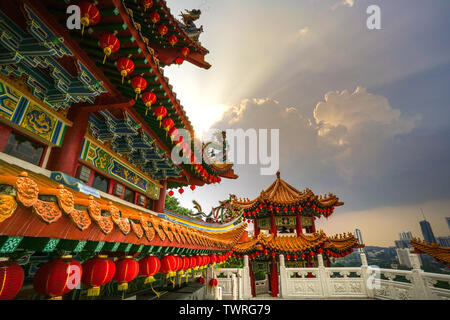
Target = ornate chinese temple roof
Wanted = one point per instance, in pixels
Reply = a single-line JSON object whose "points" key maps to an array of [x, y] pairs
{"points": [[36, 206], [440, 254], [301, 244], [97, 78], [281, 194]]}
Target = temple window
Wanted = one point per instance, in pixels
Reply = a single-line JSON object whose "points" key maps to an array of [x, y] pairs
{"points": [[129, 195], [100, 182], [118, 190], [84, 174], [24, 148]]}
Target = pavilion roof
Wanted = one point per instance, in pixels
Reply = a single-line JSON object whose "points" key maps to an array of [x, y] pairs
{"points": [[297, 244], [37, 206], [282, 193], [439, 253]]}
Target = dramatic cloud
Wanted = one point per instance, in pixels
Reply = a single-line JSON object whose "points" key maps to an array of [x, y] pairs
{"points": [[361, 125]]}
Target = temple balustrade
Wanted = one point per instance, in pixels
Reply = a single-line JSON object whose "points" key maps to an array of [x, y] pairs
{"points": [[364, 282]]}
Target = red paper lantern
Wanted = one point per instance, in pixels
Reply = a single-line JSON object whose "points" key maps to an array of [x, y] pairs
{"points": [[160, 112], [213, 258], [213, 282], [147, 4], [192, 186], [167, 124], [11, 279], [149, 98], [58, 277], [198, 261], [180, 191], [173, 40], [126, 270], [299, 208], [184, 51], [285, 209], [192, 262], [139, 84], [89, 15], [303, 256], [154, 17], [273, 254], [173, 132], [109, 43], [201, 280], [97, 272], [162, 30], [168, 265], [148, 267], [295, 257], [186, 263], [179, 60], [320, 250], [125, 67], [170, 193]]}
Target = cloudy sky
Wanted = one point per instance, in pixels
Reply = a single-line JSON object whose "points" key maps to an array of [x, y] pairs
{"points": [[362, 113]]}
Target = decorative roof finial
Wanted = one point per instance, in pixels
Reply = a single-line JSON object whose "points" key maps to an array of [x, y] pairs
{"points": [[278, 174]]}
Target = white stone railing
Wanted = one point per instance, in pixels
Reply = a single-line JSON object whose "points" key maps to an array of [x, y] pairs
{"points": [[346, 282]]}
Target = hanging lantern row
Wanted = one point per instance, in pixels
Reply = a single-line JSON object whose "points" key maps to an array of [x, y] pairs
{"points": [[253, 213], [181, 190], [205, 175], [59, 276]]}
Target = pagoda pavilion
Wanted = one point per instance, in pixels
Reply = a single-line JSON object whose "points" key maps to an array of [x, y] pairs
{"points": [[87, 124], [284, 223]]}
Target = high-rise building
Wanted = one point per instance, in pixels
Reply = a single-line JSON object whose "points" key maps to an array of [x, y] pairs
{"points": [[444, 241], [427, 231], [448, 221], [405, 235], [358, 236]]}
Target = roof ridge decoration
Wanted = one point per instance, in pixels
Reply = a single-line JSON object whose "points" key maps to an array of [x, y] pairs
{"points": [[439, 253], [48, 200]]}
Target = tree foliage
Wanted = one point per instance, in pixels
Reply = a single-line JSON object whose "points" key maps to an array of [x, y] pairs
{"points": [[173, 204]]}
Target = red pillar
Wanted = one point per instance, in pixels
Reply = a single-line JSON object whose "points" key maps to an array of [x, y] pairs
{"points": [[255, 224], [298, 224], [252, 278], [5, 131], [273, 226], [158, 205], [313, 225], [274, 278], [65, 158]]}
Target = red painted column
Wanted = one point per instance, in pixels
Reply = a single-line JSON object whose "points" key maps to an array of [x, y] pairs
{"points": [[255, 225], [298, 224], [273, 226], [5, 131], [313, 225], [158, 206], [252, 278], [274, 278], [65, 158]]}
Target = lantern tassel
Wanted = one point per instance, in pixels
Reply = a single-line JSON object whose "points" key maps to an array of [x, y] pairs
{"points": [[156, 292], [150, 280], [173, 282], [56, 298], [122, 286], [82, 30], [136, 96], [187, 277], [122, 79], [104, 59], [93, 292]]}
